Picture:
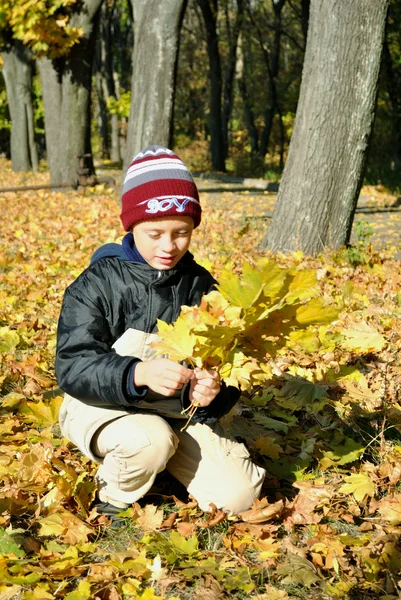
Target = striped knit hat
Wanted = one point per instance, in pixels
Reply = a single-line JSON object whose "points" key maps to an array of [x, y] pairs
{"points": [[158, 184]]}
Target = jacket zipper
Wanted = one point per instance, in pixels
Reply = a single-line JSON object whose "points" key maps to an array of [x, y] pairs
{"points": [[151, 286]]}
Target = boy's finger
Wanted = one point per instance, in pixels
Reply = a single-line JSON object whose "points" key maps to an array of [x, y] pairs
{"points": [[177, 368], [212, 375]]}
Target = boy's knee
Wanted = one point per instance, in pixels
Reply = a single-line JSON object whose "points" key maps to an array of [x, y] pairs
{"points": [[236, 494], [155, 456], [138, 442], [238, 501]]}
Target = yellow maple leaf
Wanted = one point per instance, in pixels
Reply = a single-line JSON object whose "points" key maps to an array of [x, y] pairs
{"points": [[314, 313], [358, 484], [176, 341], [363, 337], [302, 286], [242, 291]]}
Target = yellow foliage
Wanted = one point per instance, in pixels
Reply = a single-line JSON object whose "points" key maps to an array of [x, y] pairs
{"points": [[43, 25]]}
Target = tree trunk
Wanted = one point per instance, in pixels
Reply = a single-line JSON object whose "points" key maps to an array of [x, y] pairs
{"points": [[272, 61], [393, 88], [156, 41], [105, 82], [305, 9], [242, 78], [17, 71], [209, 12], [229, 77], [324, 170], [66, 88]]}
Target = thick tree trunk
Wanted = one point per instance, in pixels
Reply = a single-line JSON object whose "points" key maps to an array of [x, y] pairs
{"points": [[324, 170], [209, 12], [66, 88], [17, 71], [156, 34]]}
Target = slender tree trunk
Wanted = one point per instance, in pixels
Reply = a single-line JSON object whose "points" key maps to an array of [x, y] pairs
{"points": [[209, 12], [272, 60], [106, 81], [305, 8], [156, 34], [66, 88], [324, 170], [17, 71], [393, 88], [229, 78], [242, 78], [101, 92]]}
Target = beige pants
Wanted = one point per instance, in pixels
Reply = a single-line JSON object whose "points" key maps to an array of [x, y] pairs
{"points": [[212, 466]]}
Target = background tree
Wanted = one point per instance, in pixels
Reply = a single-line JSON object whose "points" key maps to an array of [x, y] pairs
{"points": [[66, 85], [324, 170], [17, 72], [57, 33], [230, 21], [113, 74], [155, 54], [385, 149], [209, 10]]}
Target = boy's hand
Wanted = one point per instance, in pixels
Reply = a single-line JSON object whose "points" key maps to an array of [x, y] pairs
{"points": [[205, 386], [162, 375]]}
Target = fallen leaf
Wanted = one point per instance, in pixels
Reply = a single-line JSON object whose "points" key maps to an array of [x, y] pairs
{"points": [[262, 511], [358, 484], [186, 529], [149, 518]]}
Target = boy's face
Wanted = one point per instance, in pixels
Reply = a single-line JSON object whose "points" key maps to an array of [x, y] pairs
{"points": [[163, 242]]}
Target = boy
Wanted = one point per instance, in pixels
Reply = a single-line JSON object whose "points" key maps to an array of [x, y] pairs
{"points": [[122, 407]]}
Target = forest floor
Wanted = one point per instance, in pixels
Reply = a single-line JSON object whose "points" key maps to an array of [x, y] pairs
{"points": [[377, 207], [321, 413]]}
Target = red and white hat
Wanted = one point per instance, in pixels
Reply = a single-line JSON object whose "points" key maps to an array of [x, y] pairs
{"points": [[158, 184]]}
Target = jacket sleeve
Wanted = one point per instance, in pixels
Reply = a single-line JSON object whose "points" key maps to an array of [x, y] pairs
{"points": [[87, 367], [221, 405]]}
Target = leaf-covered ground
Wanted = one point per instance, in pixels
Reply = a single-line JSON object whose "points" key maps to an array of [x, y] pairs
{"points": [[325, 423]]}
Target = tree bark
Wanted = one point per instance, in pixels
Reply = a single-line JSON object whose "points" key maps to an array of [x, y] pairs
{"points": [[228, 87], [272, 61], [324, 170], [66, 88], [156, 42], [242, 78], [393, 82], [17, 71], [209, 12]]}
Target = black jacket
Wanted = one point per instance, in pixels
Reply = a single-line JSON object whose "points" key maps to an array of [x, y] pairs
{"points": [[108, 298]]}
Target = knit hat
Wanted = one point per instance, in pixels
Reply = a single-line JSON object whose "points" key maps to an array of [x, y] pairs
{"points": [[158, 184]]}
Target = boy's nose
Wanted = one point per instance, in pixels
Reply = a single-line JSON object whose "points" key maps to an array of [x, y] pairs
{"points": [[167, 244]]}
